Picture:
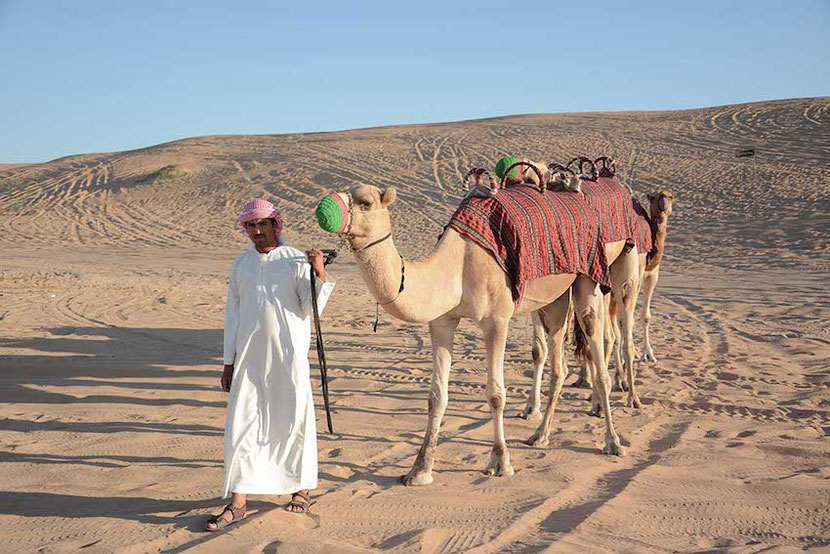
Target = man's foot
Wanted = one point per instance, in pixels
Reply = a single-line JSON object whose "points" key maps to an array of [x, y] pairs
{"points": [[300, 503], [231, 514]]}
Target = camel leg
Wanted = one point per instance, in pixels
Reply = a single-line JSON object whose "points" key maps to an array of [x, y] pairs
{"points": [[616, 343], [585, 379], [540, 354], [625, 286], [649, 283], [495, 338], [596, 402], [589, 312], [442, 332], [555, 317]]}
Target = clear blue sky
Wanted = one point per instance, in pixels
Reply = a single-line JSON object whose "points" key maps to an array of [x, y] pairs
{"points": [[82, 76]]}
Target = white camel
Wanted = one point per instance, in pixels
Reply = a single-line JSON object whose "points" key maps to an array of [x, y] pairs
{"points": [[625, 272], [460, 279]]}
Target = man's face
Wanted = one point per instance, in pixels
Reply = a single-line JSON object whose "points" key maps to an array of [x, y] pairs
{"points": [[262, 232]]}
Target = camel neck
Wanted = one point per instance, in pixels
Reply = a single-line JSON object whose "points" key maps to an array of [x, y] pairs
{"points": [[430, 285], [659, 224]]}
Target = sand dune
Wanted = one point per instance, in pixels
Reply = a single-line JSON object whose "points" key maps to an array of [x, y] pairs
{"points": [[112, 288]]}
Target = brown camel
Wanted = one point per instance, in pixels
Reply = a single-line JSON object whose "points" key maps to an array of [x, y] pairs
{"points": [[660, 208], [460, 279]]}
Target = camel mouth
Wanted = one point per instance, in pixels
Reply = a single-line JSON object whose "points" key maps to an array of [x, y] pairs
{"points": [[332, 214]]}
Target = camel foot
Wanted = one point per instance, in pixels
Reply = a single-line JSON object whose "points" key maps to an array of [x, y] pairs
{"points": [[583, 383], [499, 467], [417, 479], [538, 439], [614, 448], [530, 414], [620, 384], [633, 401], [596, 411], [648, 355]]}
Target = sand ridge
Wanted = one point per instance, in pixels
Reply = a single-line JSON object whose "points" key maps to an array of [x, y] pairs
{"points": [[112, 284]]}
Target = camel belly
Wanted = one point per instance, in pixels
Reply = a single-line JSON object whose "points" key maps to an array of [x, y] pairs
{"points": [[613, 250], [544, 290]]}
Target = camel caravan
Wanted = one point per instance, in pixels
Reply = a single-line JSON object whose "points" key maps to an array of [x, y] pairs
{"points": [[560, 242]]}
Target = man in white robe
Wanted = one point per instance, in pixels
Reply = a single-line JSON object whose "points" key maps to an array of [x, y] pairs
{"points": [[270, 431]]}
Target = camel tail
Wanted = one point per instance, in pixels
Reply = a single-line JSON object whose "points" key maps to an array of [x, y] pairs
{"points": [[581, 351]]}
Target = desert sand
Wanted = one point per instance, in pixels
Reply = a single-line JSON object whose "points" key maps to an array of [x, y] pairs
{"points": [[113, 272]]}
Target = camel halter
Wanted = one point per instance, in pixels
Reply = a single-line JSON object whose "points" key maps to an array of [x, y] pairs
{"points": [[346, 234]]}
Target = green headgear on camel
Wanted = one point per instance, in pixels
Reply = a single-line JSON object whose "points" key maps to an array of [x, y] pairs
{"points": [[329, 215], [503, 164]]}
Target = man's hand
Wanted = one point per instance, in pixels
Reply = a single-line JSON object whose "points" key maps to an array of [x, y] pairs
{"points": [[227, 377], [315, 258]]}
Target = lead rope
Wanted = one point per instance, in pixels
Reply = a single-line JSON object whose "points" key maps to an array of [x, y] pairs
{"points": [[321, 352]]}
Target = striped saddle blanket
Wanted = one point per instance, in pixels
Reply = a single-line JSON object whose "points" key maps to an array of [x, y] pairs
{"points": [[622, 216], [533, 234]]}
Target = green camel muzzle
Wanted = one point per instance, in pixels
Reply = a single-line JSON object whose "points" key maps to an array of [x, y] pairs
{"points": [[333, 214]]}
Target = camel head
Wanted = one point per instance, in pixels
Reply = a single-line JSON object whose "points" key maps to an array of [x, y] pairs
{"points": [[359, 214], [660, 203]]}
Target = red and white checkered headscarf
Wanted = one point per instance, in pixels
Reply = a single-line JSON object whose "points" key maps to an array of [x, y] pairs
{"points": [[262, 209], [259, 209]]}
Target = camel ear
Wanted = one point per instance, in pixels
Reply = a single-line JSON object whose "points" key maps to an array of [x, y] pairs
{"points": [[650, 196], [388, 196]]}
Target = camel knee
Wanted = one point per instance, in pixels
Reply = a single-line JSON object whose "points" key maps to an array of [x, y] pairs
{"points": [[539, 353], [496, 401], [604, 378], [589, 321], [629, 295], [559, 370], [438, 398], [495, 394]]}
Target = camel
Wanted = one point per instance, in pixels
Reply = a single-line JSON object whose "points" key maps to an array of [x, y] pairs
{"points": [[461, 279], [660, 208]]}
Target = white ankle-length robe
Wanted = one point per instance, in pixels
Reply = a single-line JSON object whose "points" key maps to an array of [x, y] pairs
{"points": [[271, 430]]}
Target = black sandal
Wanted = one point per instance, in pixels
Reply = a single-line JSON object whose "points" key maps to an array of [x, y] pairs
{"points": [[219, 522], [304, 503]]}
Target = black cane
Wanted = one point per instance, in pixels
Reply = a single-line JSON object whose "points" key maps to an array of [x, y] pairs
{"points": [[321, 353]]}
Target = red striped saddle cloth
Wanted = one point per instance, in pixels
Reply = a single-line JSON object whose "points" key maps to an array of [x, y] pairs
{"points": [[533, 234], [622, 216]]}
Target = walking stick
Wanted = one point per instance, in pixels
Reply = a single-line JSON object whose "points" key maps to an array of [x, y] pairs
{"points": [[321, 352]]}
